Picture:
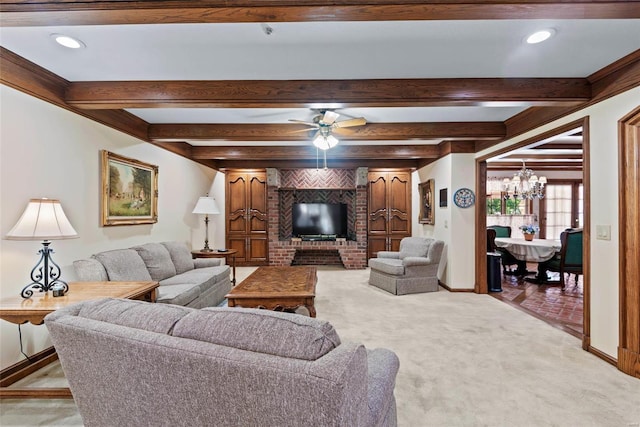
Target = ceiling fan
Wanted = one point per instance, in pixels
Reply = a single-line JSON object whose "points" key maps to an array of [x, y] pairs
{"points": [[325, 123]]}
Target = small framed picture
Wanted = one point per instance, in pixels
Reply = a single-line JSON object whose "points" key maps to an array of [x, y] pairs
{"points": [[443, 197], [427, 207]]}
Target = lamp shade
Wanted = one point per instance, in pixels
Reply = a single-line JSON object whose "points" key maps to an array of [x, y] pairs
{"points": [[324, 142], [43, 219], [206, 205]]}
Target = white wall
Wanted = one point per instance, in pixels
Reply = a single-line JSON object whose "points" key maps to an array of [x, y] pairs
{"points": [[46, 151], [453, 225], [603, 139]]}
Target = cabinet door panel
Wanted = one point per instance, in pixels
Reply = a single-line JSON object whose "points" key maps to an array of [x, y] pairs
{"points": [[395, 243], [236, 204], [257, 204], [400, 203], [376, 244], [258, 250], [239, 244]]}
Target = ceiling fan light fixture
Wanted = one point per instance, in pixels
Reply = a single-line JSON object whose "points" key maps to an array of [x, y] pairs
{"points": [[540, 36], [324, 142]]}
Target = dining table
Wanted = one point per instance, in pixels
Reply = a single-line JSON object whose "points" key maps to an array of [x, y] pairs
{"points": [[536, 250]]}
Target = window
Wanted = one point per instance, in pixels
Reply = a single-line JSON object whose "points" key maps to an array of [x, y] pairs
{"points": [[561, 208]]}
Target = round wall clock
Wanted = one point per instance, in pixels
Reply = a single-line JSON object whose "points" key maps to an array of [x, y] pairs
{"points": [[464, 198]]}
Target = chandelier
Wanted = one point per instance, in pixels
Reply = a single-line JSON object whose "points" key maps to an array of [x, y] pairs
{"points": [[524, 185]]}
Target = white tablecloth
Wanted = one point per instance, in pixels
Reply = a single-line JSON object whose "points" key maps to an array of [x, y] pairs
{"points": [[537, 250]]}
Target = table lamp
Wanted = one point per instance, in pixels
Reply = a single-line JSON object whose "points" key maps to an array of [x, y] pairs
{"points": [[207, 206], [43, 219]]}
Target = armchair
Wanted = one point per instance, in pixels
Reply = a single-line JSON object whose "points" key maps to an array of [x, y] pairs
{"points": [[569, 259], [413, 269]]}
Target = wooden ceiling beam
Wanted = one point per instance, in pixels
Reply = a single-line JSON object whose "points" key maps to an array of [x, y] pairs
{"points": [[115, 12], [313, 164], [535, 166], [527, 157], [308, 152], [291, 132], [312, 93]]}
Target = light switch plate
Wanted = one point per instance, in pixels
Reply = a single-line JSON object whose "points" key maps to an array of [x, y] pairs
{"points": [[603, 232]]}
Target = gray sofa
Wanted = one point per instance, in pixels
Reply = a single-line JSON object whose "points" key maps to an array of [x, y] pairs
{"points": [[413, 269], [183, 281], [136, 363]]}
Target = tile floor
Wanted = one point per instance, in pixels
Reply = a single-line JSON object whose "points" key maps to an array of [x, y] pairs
{"points": [[562, 309]]}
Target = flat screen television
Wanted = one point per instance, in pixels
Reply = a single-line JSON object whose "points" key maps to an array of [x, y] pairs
{"points": [[319, 219]]}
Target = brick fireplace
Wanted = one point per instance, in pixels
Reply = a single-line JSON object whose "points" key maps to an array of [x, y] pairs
{"points": [[286, 186]]}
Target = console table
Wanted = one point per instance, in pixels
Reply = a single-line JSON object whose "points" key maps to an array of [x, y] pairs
{"points": [[19, 310]]}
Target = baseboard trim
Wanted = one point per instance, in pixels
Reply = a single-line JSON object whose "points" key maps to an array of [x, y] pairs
{"points": [[604, 356], [444, 285], [26, 367]]}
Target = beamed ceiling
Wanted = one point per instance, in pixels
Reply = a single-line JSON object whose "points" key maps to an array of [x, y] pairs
{"points": [[218, 81]]}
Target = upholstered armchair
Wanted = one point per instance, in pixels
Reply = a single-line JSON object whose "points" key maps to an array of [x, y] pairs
{"points": [[569, 259], [411, 270]]}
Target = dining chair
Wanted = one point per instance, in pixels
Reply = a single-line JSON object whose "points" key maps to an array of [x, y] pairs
{"points": [[569, 259], [508, 260]]}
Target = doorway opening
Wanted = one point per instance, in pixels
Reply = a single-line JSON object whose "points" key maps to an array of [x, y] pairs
{"points": [[551, 200]]}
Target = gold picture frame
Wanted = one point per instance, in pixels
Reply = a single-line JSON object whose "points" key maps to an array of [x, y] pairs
{"points": [[129, 191], [427, 202]]}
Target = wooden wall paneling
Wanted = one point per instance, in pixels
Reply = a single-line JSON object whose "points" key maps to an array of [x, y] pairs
{"points": [[629, 218]]}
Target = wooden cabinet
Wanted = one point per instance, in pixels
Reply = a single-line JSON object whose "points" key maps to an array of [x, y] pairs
{"points": [[246, 213], [389, 210]]}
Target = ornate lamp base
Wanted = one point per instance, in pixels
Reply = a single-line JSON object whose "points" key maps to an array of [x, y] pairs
{"points": [[45, 274]]}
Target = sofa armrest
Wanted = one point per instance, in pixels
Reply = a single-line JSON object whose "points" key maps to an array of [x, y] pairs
{"points": [[382, 369], [207, 262], [416, 260], [389, 254]]}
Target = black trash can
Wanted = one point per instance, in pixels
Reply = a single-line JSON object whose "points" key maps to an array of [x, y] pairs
{"points": [[494, 279]]}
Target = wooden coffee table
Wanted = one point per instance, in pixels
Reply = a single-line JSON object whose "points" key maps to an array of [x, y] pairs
{"points": [[19, 310], [277, 288]]}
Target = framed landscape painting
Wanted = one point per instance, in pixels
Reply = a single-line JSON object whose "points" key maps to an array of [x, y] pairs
{"points": [[129, 191]]}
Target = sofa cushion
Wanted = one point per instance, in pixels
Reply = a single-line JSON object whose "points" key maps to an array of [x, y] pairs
{"points": [[123, 265], [157, 259], [387, 265], [133, 314], [182, 294], [90, 270], [205, 278], [262, 331], [180, 255]]}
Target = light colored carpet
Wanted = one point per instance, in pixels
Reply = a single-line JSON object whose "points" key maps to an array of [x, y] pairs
{"points": [[465, 360]]}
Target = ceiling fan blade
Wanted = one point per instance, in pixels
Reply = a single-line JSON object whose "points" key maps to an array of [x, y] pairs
{"points": [[315, 125], [302, 130], [329, 117], [360, 121]]}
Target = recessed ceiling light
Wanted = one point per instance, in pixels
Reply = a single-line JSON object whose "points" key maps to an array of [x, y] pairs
{"points": [[540, 36], [68, 41]]}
